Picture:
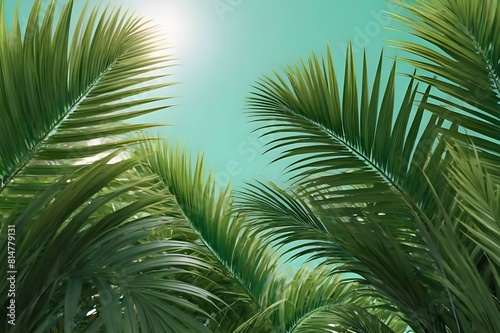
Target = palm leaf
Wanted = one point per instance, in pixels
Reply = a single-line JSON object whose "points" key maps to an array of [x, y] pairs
{"points": [[246, 274], [365, 180], [318, 300], [347, 318], [475, 305], [385, 260], [462, 62], [319, 135], [89, 268], [478, 196], [64, 92], [364, 173], [364, 169]]}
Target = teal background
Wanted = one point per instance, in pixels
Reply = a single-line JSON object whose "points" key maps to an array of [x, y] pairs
{"points": [[224, 46]]}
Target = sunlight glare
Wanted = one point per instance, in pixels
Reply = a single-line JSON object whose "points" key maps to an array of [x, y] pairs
{"points": [[176, 21]]}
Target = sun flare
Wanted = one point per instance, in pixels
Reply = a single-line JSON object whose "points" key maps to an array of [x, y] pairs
{"points": [[177, 21]]}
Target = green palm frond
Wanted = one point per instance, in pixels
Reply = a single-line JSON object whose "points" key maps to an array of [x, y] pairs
{"points": [[245, 275], [360, 146], [294, 222], [365, 178], [363, 169], [479, 197], [398, 265], [318, 300], [474, 295], [308, 292], [82, 267], [66, 94], [366, 158], [343, 318], [462, 62]]}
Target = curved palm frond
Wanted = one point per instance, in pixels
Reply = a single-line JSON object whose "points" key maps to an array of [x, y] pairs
{"points": [[87, 257], [364, 149], [463, 62], [83, 268], [317, 301], [245, 273], [473, 294], [294, 222], [398, 266], [365, 178], [65, 97], [478, 195], [365, 170], [353, 156], [244, 256], [348, 318]]}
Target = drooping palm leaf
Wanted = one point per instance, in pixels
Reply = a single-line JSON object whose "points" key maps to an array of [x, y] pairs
{"points": [[359, 246], [347, 318], [317, 300], [293, 220], [246, 274], [65, 94], [462, 62], [479, 197], [474, 295], [364, 158], [87, 268]]}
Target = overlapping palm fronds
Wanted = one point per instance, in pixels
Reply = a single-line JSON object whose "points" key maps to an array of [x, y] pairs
{"points": [[318, 301], [361, 246], [82, 268], [377, 190], [246, 276], [88, 257], [458, 52], [398, 204], [479, 197]]}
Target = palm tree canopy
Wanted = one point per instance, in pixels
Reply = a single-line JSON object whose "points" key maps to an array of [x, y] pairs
{"points": [[118, 232], [85, 221]]}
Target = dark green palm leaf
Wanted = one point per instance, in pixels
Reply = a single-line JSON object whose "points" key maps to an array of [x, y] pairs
{"points": [[474, 296], [345, 318], [478, 196], [361, 165], [365, 176], [86, 267], [317, 301], [398, 265]]}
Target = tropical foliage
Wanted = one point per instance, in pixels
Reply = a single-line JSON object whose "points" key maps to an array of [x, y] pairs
{"points": [[86, 253], [396, 206]]}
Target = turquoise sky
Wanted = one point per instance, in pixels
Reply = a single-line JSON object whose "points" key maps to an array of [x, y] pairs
{"points": [[225, 46]]}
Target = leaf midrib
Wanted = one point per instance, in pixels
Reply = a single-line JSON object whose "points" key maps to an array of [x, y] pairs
{"points": [[31, 152], [355, 151], [482, 54]]}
